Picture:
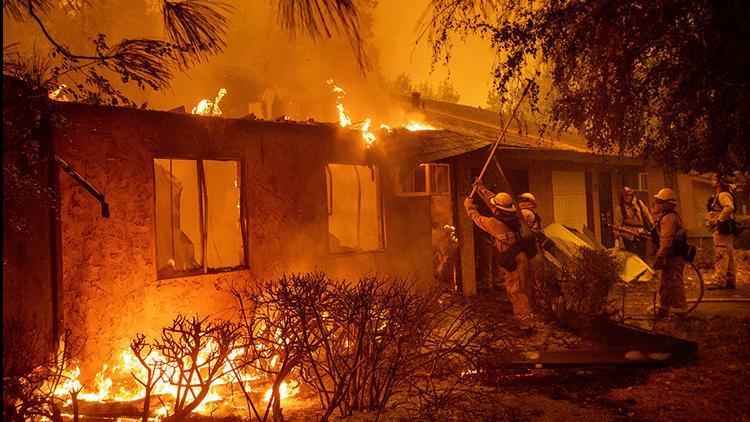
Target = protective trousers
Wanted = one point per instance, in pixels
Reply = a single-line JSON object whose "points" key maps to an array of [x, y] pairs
{"points": [[672, 288], [724, 270], [516, 283]]}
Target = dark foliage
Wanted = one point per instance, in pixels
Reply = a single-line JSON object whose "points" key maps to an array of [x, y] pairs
{"points": [[31, 373], [669, 79]]}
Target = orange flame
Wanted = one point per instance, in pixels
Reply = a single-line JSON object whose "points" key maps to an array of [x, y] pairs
{"points": [[59, 93], [207, 108], [115, 383], [415, 126]]}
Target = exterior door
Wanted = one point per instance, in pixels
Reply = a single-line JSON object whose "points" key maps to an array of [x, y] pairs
{"points": [[569, 198]]}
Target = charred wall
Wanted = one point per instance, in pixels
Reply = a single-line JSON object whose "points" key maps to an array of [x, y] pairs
{"points": [[110, 286]]}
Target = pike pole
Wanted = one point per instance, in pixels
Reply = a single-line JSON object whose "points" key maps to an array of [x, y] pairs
{"points": [[501, 137]]}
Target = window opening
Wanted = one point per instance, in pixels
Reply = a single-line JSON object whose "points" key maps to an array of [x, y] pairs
{"points": [[199, 227], [355, 209]]}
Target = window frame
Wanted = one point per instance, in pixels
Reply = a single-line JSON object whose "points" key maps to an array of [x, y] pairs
{"points": [[380, 204], [201, 182], [429, 191]]}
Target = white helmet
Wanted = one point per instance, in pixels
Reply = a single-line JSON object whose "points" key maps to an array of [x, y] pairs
{"points": [[667, 195], [502, 201], [526, 198]]}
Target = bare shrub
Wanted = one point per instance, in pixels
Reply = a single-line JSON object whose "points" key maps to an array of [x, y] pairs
{"points": [[154, 371], [194, 353], [357, 345], [32, 374], [278, 319]]}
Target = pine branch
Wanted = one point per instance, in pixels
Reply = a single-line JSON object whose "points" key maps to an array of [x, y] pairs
{"points": [[197, 27], [320, 18]]}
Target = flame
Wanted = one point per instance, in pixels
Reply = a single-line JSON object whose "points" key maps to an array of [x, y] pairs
{"points": [[59, 93], [367, 136], [286, 390], [345, 119], [415, 126], [115, 382], [207, 108]]}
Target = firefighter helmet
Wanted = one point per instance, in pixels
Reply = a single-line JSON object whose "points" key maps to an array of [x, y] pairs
{"points": [[527, 199], [667, 195], [627, 190], [503, 202]]}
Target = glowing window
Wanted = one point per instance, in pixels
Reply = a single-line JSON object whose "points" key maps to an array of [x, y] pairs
{"points": [[198, 217], [355, 222]]}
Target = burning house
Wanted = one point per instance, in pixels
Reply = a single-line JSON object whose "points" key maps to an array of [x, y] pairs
{"points": [[185, 207]]}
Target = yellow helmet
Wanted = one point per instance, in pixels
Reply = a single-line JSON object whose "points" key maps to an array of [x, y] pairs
{"points": [[526, 198], [503, 201], [667, 195]]}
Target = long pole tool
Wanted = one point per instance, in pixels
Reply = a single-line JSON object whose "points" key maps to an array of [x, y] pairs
{"points": [[501, 137]]}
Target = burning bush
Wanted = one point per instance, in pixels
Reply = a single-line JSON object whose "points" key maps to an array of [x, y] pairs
{"points": [[363, 346], [356, 345]]}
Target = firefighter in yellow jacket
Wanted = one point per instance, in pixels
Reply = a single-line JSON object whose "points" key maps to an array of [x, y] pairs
{"points": [[670, 238], [721, 218], [503, 226]]}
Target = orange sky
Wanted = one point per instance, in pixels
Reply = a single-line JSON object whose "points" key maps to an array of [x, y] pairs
{"points": [[396, 30], [260, 54]]}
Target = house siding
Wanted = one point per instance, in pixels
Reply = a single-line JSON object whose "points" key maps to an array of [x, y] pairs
{"points": [[110, 287]]}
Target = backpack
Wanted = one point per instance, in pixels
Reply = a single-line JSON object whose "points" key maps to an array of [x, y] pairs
{"points": [[680, 247], [731, 226]]}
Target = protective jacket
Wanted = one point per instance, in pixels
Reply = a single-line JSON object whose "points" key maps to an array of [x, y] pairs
{"points": [[671, 235], [672, 239], [634, 216], [514, 264], [721, 212]]}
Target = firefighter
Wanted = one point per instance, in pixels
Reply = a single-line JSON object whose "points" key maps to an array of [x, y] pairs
{"points": [[671, 239], [633, 218], [527, 203], [720, 223], [504, 227]]}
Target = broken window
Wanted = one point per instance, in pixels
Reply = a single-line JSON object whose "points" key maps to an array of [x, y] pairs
{"points": [[198, 217], [425, 179], [355, 221]]}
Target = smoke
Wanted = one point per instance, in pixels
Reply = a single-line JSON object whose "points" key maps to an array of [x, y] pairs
{"points": [[269, 72]]}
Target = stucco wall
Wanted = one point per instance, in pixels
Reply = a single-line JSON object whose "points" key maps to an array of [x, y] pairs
{"points": [[110, 286]]}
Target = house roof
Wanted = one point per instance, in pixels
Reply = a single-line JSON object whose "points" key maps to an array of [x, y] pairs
{"points": [[465, 129]]}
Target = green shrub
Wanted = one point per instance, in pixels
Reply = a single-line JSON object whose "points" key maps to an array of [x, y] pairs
{"points": [[580, 287]]}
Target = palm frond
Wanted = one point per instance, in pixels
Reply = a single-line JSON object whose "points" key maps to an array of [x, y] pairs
{"points": [[320, 18], [196, 27], [19, 9]]}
